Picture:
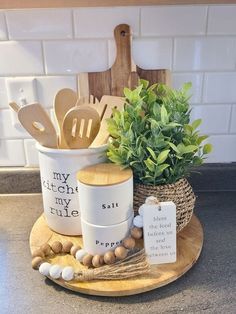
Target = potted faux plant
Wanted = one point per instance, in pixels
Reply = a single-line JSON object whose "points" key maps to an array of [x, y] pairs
{"points": [[153, 135]]}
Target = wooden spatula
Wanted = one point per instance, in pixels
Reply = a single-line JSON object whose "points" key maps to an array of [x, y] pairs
{"points": [[37, 123], [80, 126], [65, 99], [107, 104]]}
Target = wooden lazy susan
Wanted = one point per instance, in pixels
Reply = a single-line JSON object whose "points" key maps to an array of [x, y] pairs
{"points": [[189, 245]]}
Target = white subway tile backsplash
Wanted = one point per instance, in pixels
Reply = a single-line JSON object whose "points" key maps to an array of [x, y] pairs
{"points": [[147, 53], [153, 53], [48, 86], [204, 53], [31, 153], [221, 20], [223, 148], [215, 118], [173, 20], [7, 130], [178, 79], [3, 29], [233, 120], [71, 57], [220, 88], [12, 153], [39, 23], [3, 94], [100, 22], [18, 58], [176, 37]]}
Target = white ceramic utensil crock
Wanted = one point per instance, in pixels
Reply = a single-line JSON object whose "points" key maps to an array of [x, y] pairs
{"points": [[58, 168]]}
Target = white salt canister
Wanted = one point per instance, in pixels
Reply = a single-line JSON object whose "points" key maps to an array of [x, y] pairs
{"points": [[58, 168], [106, 194]]}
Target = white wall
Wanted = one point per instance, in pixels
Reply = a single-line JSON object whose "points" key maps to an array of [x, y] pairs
{"points": [[197, 43]]}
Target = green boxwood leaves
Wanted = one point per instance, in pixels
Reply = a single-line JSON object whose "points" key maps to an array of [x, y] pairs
{"points": [[154, 136]]}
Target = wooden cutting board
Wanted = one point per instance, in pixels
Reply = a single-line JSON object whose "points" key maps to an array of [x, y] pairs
{"points": [[122, 73]]}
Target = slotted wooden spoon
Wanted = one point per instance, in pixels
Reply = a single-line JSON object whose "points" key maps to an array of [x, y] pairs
{"points": [[65, 99], [80, 126]]}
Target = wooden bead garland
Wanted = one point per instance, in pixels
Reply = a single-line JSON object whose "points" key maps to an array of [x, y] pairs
{"points": [[67, 273]]}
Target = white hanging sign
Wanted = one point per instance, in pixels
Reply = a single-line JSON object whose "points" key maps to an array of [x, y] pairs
{"points": [[159, 227]]}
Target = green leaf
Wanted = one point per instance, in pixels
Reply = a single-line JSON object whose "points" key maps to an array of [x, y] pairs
{"points": [[174, 147], [145, 83], [163, 167], [127, 92], [197, 161], [201, 139], [173, 124], [150, 164], [196, 123], [162, 156], [152, 153], [207, 148], [190, 149], [186, 87], [164, 115]]}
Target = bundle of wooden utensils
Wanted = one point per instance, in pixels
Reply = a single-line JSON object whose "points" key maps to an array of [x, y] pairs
{"points": [[81, 121]]}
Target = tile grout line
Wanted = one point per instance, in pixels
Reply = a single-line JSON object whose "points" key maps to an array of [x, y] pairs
{"points": [[230, 119], [207, 21], [43, 57], [73, 23], [7, 26]]}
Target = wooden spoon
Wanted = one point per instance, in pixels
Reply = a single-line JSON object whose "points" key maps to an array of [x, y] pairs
{"points": [[107, 104], [80, 126], [37, 123], [64, 100]]}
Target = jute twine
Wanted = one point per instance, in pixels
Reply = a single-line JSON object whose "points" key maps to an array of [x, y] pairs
{"points": [[180, 193], [133, 265]]}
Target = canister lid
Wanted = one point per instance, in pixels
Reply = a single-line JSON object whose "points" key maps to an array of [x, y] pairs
{"points": [[104, 174]]}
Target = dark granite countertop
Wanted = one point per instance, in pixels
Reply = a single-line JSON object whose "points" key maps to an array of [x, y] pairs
{"points": [[209, 287]]}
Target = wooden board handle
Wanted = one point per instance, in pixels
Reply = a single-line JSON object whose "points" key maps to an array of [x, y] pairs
{"points": [[122, 35], [122, 67]]}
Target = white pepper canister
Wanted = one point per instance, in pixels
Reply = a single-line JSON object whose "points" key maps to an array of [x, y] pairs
{"points": [[105, 194], [106, 204]]}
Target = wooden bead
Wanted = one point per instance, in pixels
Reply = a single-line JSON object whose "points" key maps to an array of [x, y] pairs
{"points": [[46, 248], [38, 252], [66, 246], [56, 247], [109, 258], [136, 233], [129, 243], [36, 262], [74, 249], [97, 261], [87, 260], [121, 252]]}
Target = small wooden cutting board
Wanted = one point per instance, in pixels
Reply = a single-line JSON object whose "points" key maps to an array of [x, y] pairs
{"points": [[120, 75]]}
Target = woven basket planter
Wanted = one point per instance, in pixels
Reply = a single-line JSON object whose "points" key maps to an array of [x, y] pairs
{"points": [[180, 193]]}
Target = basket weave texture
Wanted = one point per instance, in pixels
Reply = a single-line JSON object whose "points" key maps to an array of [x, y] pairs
{"points": [[180, 193]]}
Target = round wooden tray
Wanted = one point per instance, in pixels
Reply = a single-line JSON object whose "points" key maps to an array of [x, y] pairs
{"points": [[189, 245]]}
